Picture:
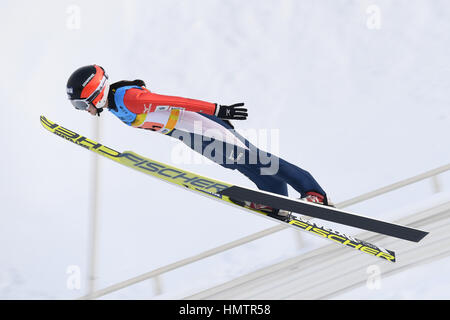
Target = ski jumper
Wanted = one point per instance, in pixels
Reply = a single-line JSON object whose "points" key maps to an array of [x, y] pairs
{"points": [[193, 122]]}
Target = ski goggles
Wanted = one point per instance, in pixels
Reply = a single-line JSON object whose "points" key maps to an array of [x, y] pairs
{"points": [[83, 104]]}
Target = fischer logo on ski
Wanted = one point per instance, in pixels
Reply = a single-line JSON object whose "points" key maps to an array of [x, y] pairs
{"points": [[343, 239], [167, 172]]}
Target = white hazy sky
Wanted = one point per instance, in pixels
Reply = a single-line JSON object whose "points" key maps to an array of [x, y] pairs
{"points": [[359, 102]]}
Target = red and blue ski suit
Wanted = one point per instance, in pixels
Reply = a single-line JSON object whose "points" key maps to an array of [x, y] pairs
{"points": [[174, 116]]}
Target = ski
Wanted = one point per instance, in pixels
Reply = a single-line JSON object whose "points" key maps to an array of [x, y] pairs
{"points": [[211, 188], [325, 213]]}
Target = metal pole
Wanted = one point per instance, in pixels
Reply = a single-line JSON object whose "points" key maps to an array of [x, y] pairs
{"points": [[93, 214]]}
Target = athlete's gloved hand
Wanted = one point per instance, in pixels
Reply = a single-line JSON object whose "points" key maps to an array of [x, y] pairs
{"points": [[231, 112]]}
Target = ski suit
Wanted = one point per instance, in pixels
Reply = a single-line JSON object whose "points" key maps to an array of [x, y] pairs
{"points": [[193, 122]]}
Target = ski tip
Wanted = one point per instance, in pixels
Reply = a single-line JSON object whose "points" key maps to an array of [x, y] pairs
{"points": [[47, 124]]}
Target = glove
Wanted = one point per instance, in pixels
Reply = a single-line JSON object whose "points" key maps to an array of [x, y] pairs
{"points": [[231, 112]]}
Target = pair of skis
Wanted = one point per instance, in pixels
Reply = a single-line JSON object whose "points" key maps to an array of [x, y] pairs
{"points": [[230, 193]]}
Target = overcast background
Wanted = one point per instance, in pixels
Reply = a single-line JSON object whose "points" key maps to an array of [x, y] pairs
{"points": [[359, 91]]}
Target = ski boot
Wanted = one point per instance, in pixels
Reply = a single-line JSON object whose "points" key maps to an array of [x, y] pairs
{"points": [[282, 215], [315, 197]]}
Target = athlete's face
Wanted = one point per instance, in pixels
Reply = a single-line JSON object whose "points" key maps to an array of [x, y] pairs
{"points": [[92, 110]]}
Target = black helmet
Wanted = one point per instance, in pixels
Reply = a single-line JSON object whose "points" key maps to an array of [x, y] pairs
{"points": [[88, 85]]}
